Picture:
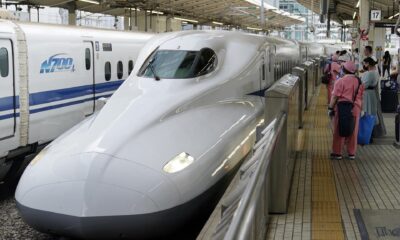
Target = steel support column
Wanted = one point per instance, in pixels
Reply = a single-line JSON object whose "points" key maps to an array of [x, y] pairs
{"points": [[364, 10], [328, 26], [262, 16], [72, 13], [145, 20]]}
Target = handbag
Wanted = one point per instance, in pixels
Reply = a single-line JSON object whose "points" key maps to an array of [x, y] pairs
{"points": [[327, 75], [367, 123], [346, 121]]}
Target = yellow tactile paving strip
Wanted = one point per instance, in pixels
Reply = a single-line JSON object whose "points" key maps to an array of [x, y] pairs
{"points": [[314, 210], [326, 221]]}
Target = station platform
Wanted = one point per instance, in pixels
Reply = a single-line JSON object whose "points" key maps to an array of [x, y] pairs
{"points": [[334, 199]]}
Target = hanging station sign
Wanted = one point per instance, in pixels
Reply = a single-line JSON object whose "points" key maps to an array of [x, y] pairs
{"points": [[376, 15], [390, 25]]}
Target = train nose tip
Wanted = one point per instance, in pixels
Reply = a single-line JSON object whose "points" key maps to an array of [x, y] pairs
{"points": [[73, 198], [93, 194], [66, 208]]}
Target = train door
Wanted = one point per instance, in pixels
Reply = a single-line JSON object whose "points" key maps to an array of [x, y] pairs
{"points": [[267, 71], [89, 74], [263, 74], [271, 64], [7, 91]]}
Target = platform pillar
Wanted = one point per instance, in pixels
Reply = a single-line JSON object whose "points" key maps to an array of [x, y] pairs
{"points": [[127, 26], [173, 25], [328, 26], [72, 14], [364, 10]]}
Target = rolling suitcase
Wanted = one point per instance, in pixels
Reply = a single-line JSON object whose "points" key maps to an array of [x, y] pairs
{"points": [[389, 100], [397, 122]]}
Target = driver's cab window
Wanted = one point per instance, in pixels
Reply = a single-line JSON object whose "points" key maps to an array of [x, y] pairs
{"points": [[175, 64]]}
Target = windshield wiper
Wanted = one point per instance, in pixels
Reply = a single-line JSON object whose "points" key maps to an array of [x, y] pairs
{"points": [[150, 65], [210, 61]]}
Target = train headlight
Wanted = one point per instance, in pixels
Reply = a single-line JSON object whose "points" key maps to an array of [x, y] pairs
{"points": [[39, 156], [178, 163]]}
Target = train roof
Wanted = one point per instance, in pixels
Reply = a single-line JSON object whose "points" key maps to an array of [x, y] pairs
{"points": [[61, 31]]}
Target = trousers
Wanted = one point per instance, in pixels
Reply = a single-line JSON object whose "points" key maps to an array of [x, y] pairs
{"points": [[339, 142], [329, 89]]}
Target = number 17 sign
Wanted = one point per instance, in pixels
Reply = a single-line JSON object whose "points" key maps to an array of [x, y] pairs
{"points": [[376, 15]]}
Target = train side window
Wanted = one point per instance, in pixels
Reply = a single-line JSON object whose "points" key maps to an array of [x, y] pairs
{"points": [[130, 67], [120, 70], [270, 64], [4, 65], [87, 58], [107, 71], [263, 71]]}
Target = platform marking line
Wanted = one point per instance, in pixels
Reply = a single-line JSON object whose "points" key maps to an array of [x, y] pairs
{"points": [[326, 214]]}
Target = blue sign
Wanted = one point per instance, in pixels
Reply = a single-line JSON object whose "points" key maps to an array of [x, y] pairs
{"points": [[58, 63]]}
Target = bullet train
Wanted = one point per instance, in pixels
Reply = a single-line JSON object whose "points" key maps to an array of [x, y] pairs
{"points": [[163, 144], [50, 78]]}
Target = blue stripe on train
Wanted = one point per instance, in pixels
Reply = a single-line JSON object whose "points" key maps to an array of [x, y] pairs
{"points": [[68, 93], [32, 111], [65, 104], [7, 103]]}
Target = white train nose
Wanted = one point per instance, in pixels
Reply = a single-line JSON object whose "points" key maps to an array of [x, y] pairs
{"points": [[93, 195], [94, 184], [74, 199]]}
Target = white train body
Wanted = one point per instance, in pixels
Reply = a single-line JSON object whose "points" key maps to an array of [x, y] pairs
{"points": [[51, 76], [158, 149]]}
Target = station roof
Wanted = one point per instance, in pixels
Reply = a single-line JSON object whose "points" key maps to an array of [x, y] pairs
{"points": [[344, 9], [243, 13]]}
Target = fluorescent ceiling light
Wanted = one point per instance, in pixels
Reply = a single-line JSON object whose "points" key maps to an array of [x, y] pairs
{"points": [[133, 9], [397, 14], [90, 1], [186, 20], [358, 4], [354, 15], [155, 12], [252, 28], [218, 23]]}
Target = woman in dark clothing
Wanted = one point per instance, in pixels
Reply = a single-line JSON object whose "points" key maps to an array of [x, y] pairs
{"points": [[387, 61]]}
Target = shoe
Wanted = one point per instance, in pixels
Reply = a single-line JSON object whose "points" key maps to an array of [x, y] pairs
{"points": [[335, 156], [352, 157]]}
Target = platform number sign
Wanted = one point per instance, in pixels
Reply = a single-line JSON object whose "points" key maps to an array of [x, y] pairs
{"points": [[376, 15]]}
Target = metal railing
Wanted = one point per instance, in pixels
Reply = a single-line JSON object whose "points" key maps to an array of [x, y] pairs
{"points": [[245, 210]]}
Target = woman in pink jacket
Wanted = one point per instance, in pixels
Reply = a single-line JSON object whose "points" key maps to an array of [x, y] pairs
{"points": [[334, 70], [347, 89]]}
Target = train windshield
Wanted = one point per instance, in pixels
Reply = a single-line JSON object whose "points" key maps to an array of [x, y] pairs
{"points": [[173, 64]]}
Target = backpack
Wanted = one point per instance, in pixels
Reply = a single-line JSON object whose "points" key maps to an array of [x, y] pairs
{"points": [[327, 75], [345, 115]]}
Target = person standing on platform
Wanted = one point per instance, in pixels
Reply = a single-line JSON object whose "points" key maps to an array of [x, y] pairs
{"points": [[368, 52], [346, 89], [371, 103], [334, 69], [356, 58], [387, 62], [370, 80]]}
